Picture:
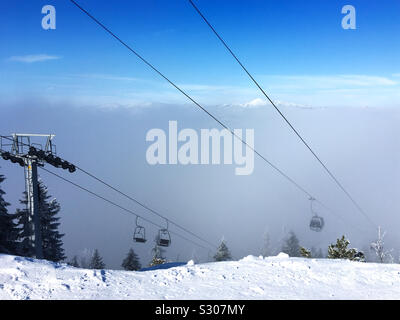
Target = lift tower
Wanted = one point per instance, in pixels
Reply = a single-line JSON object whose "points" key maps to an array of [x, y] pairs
{"points": [[30, 155]]}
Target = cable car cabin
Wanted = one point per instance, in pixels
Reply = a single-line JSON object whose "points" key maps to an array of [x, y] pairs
{"points": [[316, 223], [139, 234], [164, 238]]}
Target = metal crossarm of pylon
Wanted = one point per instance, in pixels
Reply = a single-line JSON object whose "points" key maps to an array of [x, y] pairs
{"points": [[20, 148]]}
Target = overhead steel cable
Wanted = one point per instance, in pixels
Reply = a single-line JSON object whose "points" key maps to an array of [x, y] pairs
{"points": [[138, 202], [120, 207], [108, 185], [191, 99], [161, 216], [146, 207], [283, 116]]}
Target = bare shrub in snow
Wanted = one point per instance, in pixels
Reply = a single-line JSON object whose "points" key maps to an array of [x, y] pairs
{"points": [[379, 248]]}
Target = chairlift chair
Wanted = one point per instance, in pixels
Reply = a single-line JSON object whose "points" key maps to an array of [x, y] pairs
{"points": [[139, 235], [164, 238], [317, 222]]}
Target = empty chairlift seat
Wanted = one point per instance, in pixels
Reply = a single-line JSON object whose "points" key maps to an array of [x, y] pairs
{"points": [[139, 235], [164, 238]]}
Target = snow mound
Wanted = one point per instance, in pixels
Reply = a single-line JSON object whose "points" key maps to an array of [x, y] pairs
{"points": [[190, 263], [251, 258], [250, 278], [282, 255]]}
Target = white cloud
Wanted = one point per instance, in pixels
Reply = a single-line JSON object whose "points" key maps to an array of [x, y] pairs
{"points": [[107, 77], [259, 102], [33, 58], [333, 90], [215, 88], [306, 90], [328, 81]]}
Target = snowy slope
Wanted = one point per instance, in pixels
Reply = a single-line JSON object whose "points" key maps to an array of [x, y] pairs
{"points": [[250, 278]]}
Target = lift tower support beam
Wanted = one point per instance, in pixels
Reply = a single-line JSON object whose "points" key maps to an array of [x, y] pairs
{"points": [[32, 188], [30, 155]]}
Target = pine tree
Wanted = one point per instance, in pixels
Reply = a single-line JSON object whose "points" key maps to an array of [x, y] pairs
{"points": [[131, 262], [51, 237], [305, 252], [291, 245], [74, 262], [8, 228], [25, 235], [222, 253], [340, 251], [97, 261], [52, 243], [359, 256]]}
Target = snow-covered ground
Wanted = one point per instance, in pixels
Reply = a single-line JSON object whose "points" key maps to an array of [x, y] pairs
{"points": [[249, 278]]}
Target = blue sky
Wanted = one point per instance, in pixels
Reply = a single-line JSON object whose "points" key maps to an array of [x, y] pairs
{"points": [[297, 50]]}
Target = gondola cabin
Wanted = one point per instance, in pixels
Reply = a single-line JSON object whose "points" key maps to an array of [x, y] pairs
{"points": [[316, 223]]}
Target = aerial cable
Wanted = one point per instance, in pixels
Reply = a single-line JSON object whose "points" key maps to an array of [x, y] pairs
{"points": [[138, 202], [145, 206], [120, 207], [284, 117], [191, 99]]}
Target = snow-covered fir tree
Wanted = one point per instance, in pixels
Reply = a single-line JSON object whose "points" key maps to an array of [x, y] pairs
{"points": [[359, 256], [51, 238], [291, 245], [223, 253], [97, 261], [339, 250], [8, 228], [305, 252], [25, 234], [131, 262]]}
